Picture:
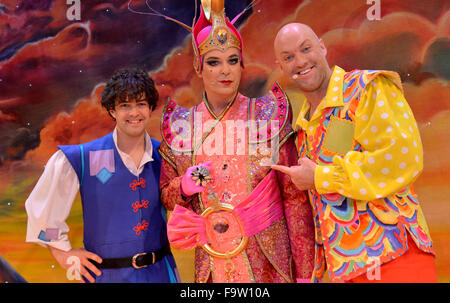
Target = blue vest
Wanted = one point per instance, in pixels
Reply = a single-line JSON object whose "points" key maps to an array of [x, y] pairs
{"points": [[122, 213]]}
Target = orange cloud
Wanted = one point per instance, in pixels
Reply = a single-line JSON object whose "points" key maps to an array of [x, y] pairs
{"points": [[436, 149], [428, 99], [87, 121], [177, 73], [397, 43]]}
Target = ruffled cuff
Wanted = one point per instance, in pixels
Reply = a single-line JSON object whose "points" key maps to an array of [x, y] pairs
{"points": [[61, 245], [326, 179]]}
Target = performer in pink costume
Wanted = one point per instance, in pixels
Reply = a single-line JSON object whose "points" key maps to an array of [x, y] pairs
{"points": [[246, 222]]}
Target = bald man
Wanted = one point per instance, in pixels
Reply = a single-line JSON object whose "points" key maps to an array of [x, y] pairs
{"points": [[360, 152]]}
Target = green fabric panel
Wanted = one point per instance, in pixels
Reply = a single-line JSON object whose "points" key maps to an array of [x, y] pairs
{"points": [[339, 136]]}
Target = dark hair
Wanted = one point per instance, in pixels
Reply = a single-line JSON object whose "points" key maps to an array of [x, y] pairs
{"points": [[128, 84]]}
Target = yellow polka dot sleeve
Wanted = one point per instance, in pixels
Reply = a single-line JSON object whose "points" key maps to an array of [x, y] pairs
{"points": [[392, 154]]}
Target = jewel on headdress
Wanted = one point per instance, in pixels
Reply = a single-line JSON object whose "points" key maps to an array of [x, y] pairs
{"points": [[222, 36]]}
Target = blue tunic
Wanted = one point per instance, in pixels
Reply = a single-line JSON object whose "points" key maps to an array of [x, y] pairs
{"points": [[122, 213]]}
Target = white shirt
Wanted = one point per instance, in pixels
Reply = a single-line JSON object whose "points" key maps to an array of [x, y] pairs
{"points": [[50, 202]]}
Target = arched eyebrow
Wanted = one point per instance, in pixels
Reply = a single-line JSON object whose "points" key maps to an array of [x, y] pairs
{"points": [[300, 46], [306, 41], [217, 58], [303, 43]]}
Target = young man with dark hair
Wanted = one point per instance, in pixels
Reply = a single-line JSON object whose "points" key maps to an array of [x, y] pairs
{"points": [[125, 238]]}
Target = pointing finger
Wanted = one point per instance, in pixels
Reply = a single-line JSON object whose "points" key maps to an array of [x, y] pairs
{"points": [[282, 168], [302, 161]]}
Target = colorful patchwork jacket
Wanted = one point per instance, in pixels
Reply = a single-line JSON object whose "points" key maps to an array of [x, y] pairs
{"points": [[367, 146]]}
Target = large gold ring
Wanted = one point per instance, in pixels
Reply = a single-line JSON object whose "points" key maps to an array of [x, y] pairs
{"points": [[231, 253]]}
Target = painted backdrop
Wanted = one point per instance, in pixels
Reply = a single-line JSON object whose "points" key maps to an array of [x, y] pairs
{"points": [[55, 58]]}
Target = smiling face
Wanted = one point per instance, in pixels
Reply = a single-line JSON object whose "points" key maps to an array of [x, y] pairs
{"points": [[302, 58], [221, 74], [131, 116]]}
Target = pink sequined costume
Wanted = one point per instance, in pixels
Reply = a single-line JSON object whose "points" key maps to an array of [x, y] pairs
{"points": [[239, 143]]}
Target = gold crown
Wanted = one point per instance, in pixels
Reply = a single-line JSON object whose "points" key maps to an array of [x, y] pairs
{"points": [[220, 37]]}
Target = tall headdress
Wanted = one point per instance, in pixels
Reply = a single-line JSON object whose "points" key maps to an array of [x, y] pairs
{"points": [[213, 30]]}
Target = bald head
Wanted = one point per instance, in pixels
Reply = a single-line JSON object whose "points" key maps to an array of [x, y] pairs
{"points": [[301, 56], [291, 30]]}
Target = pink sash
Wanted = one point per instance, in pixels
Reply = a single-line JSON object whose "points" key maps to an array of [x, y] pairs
{"points": [[186, 229]]}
